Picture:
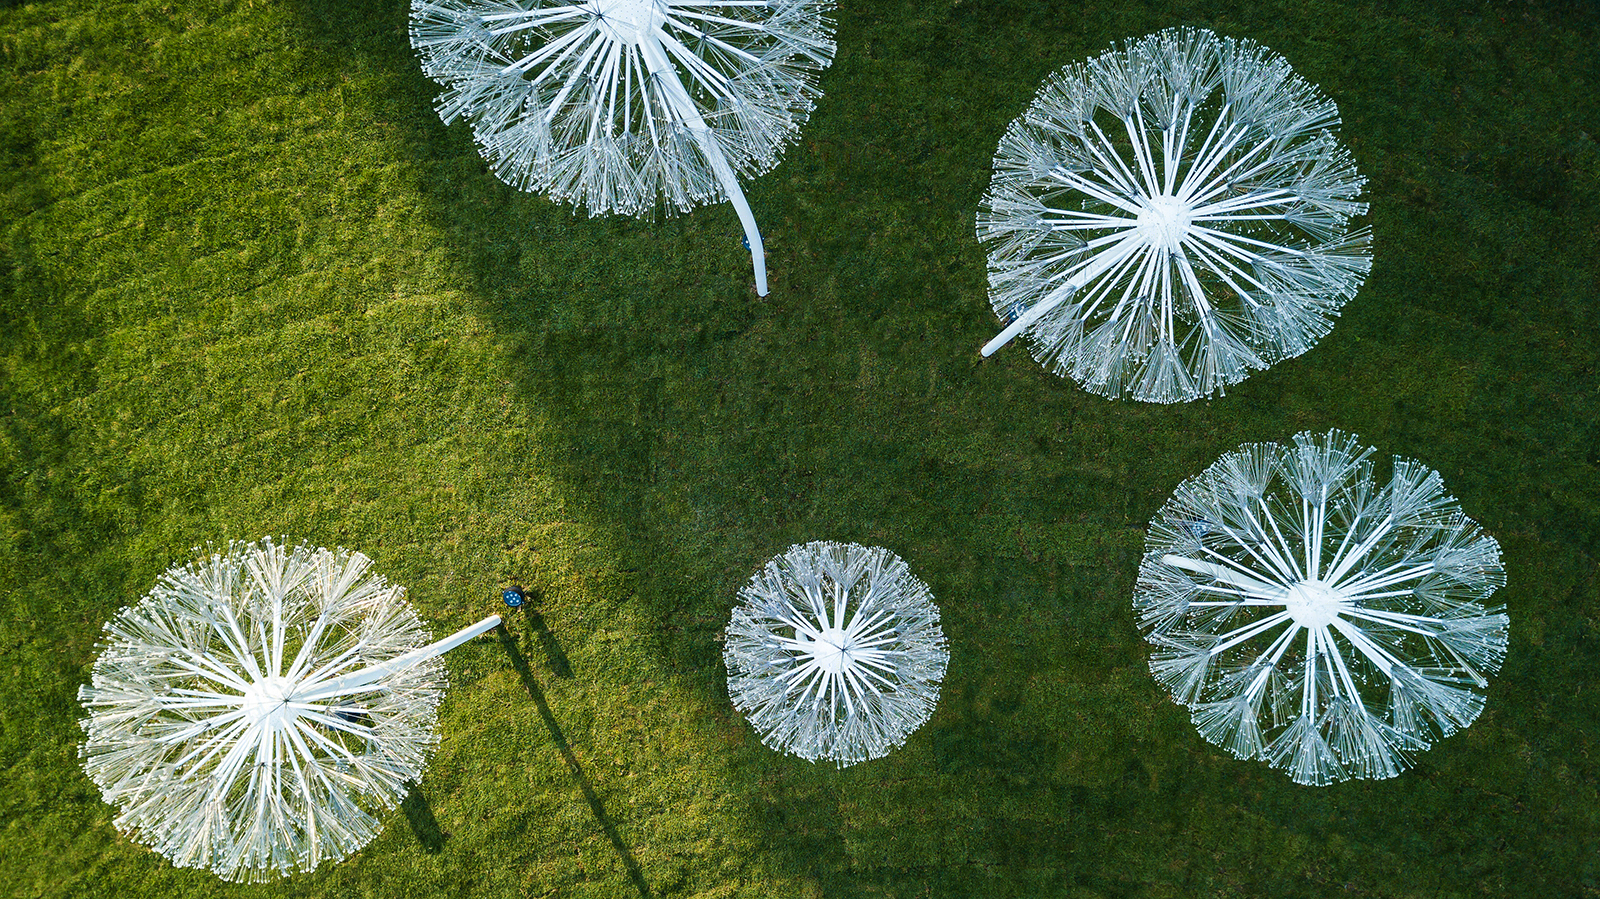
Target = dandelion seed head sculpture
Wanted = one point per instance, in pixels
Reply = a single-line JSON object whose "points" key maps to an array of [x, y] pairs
{"points": [[623, 106], [835, 652], [259, 709], [1171, 215], [1314, 619]]}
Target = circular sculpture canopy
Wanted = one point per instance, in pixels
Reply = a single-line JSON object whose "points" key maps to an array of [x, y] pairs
{"points": [[1316, 620], [1171, 215], [835, 652], [258, 710], [617, 105]]}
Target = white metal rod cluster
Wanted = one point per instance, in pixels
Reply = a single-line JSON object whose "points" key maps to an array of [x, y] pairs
{"points": [[1316, 620], [835, 652], [258, 710], [1171, 215], [616, 105]]}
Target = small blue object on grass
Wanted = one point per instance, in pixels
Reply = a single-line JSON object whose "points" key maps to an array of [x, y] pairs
{"points": [[513, 596]]}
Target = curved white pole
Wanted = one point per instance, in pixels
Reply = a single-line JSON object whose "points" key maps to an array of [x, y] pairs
{"points": [[656, 60]]}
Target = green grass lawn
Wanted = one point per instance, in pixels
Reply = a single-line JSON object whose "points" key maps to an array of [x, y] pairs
{"points": [[253, 286]]}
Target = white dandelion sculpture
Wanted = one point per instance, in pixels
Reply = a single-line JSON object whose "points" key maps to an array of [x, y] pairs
{"points": [[616, 105], [1171, 215], [259, 709], [1315, 620], [835, 652]]}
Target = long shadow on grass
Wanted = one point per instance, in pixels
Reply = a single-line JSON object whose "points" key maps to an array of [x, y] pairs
{"points": [[540, 631], [419, 815], [509, 643]]}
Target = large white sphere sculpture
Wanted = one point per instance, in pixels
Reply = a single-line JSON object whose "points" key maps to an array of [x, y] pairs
{"points": [[1171, 215], [619, 105], [259, 710], [1315, 619], [835, 652]]}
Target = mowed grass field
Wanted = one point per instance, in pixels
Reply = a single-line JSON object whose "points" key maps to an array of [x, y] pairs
{"points": [[252, 286]]}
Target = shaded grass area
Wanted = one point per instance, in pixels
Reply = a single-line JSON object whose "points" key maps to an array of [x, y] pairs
{"points": [[253, 286]]}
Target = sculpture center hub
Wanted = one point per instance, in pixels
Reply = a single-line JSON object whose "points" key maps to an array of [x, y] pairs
{"points": [[832, 650], [630, 21], [1164, 222], [1314, 603], [266, 702]]}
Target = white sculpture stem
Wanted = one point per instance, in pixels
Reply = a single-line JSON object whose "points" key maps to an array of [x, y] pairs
{"points": [[366, 677], [1250, 586], [1065, 292], [655, 59]]}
